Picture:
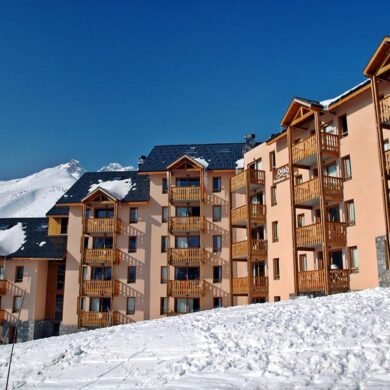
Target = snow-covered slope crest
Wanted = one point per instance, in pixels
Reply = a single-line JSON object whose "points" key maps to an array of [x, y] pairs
{"points": [[338, 342], [116, 167], [34, 195]]}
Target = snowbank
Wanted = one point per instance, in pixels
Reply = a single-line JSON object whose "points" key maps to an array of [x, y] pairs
{"points": [[240, 164], [117, 188], [201, 161], [338, 342], [11, 239]]}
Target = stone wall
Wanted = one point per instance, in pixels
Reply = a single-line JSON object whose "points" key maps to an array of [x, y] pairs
{"points": [[381, 256]]}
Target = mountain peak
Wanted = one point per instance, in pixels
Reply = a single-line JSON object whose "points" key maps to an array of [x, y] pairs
{"points": [[116, 167], [74, 168]]}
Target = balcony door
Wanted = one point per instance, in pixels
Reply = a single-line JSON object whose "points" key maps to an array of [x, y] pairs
{"points": [[336, 260], [334, 214], [258, 233], [104, 213], [101, 273], [102, 243], [258, 268], [187, 273], [188, 182], [187, 305], [188, 211], [185, 242], [98, 305], [257, 198]]}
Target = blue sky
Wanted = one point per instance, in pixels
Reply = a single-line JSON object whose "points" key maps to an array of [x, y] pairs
{"points": [[104, 81]]}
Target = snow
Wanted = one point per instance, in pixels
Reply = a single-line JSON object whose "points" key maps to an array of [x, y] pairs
{"points": [[240, 164], [339, 342], [42, 243], [11, 239], [201, 161], [328, 102], [117, 188], [116, 167], [34, 195]]}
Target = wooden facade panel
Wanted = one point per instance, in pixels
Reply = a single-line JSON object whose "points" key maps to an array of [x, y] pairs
{"points": [[54, 228], [184, 288]]}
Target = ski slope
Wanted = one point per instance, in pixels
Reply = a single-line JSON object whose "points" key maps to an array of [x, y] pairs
{"points": [[338, 342]]}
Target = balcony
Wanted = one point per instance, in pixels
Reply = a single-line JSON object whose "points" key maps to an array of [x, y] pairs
{"points": [[177, 256], [101, 256], [99, 288], [185, 194], [120, 319], [102, 225], [306, 150], [185, 288], [186, 224], [3, 286], [257, 215], [311, 235], [385, 111], [240, 249], [91, 319], [315, 282], [259, 288], [251, 177], [308, 193]]}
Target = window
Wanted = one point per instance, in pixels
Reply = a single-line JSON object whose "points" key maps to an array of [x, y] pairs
{"points": [[386, 145], [301, 220], [217, 243], [17, 304], [164, 274], [64, 225], [350, 212], [272, 160], [353, 259], [131, 274], [336, 260], [188, 182], [130, 309], [164, 244], [277, 298], [347, 171], [298, 179], [275, 231], [19, 271], [60, 277], [133, 214], [187, 305], [217, 302], [217, 184], [217, 213], [58, 307], [217, 274], [274, 200], [164, 214], [184, 242], [330, 170], [187, 273], [83, 304], [104, 213], [187, 211], [132, 244], [276, 269], [164, 186], [343, 125], [99, 305], [100, 273], [102, 242], [2, 273], [302, 263], [163, 305]]}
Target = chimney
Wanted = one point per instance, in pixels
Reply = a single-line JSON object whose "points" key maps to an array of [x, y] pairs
{"points": [[250, 142], [141, 160]]}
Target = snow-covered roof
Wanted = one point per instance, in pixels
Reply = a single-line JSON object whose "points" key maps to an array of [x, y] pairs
{"points": [[201, 161], [240, 164], [117, 188], [12, 239]]}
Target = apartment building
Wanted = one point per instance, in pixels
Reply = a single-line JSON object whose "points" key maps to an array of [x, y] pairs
{"points": [[203, 226]]}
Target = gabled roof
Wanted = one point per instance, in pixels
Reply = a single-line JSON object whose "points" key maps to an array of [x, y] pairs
{"points": [[299, 108], [37, 245], [79, 190], [380, 61], [58, 211], [186, 160], [218, 156]]}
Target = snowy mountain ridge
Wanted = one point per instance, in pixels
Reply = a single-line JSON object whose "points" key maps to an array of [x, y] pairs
{"points": [[34, 195], [335, 342]]}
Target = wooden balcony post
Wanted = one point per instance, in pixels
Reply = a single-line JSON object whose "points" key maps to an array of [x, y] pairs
{"points": [[381, 153], [324, 217], [292, 203]]}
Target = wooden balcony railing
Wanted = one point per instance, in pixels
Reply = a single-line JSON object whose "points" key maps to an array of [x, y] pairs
{"points": [[120, 319], [102, 225], [387, 160], [93, 319], [99, 288], [330, 145], [184, 288], [187, 255], [185, 194], [7, 316], [257, 214], [240, 249], [251, 177], [385, 110], [310, 190], [339, 280], [260, 286], [240, 286], [314, 281], [3, 286], [311, 235], [186, 224], [101, 256]]}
